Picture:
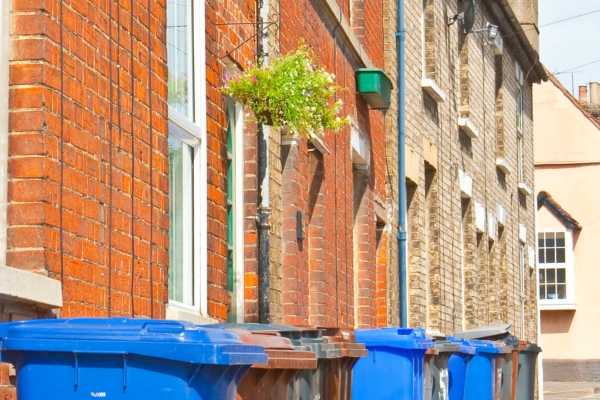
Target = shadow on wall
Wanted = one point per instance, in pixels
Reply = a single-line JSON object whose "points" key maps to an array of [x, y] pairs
{"points": [[557, 321]]}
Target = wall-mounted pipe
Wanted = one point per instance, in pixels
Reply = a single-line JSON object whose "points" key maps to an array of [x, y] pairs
{"points": [[263, 213], [401, 36]]}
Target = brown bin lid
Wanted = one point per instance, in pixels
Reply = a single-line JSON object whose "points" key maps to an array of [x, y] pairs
{"points": [[268, 340], [289, 359], [281, 352], [347, 341]]}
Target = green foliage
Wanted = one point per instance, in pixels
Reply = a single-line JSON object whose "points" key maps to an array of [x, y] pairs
{"points": [[294, 91]]}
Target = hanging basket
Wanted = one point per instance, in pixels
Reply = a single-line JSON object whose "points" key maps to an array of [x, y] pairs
{"points": [[266, 118]]}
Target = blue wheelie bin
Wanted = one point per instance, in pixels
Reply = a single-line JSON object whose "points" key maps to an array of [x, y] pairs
{"points": [[458, 364], [394, 367], [482, 372], [125, 359]]}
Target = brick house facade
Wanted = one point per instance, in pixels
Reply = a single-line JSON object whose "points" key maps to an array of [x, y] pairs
{"points": [[335, 273], [469, 167], [130, 185], [84, 161]]}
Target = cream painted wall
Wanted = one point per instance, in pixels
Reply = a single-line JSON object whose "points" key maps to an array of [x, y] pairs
{"points": [[562, 133], [567, 158]]}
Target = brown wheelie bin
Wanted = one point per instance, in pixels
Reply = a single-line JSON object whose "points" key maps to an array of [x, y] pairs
{"points": [[271, 381], [338, 377]]}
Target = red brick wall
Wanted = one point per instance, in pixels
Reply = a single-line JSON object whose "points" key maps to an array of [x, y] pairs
{"points": [[7, 390], [114, 183], [221, 40], [317, 190]]}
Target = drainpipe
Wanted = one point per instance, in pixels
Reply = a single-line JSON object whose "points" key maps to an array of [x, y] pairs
{"points": [[401, 35], [263, 213]]}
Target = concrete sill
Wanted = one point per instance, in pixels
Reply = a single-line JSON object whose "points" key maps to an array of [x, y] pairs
{"points": [[468, 127], [319, 144], [18, 286], [524, 189], [558, 306], [503, 166], [173, 313], [433, 90]]}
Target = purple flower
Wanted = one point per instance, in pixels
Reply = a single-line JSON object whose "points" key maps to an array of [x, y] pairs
{"points": [[308, 92], [254, 79]]}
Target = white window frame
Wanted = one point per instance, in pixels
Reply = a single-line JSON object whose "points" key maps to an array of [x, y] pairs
{"points": [[520, 171], [197, 129], [569, 302], [519, 112], [194, 140], [238, 302]]}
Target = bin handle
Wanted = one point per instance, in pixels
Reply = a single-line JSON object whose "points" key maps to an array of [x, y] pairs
{"points": [[124, 354], [267, 333], [164, 328]]}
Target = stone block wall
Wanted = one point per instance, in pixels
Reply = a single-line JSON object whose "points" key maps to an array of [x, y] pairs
{"points": [[463, 272]]}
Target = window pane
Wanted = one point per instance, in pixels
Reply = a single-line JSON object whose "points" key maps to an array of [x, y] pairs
{"points": [[560, 239], [550, 255], [561, 292], [561, 275], [181, 278], [180, 56], [560, 255], [541, 256], [542, 292], [520, 109], [551, 275], [230, 226], [542, 276], [551, 292], [540, 240], [549, 239], [230, 270]]}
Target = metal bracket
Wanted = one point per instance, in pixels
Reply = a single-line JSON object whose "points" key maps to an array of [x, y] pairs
{"points": [[458, 17], [268, 24]]}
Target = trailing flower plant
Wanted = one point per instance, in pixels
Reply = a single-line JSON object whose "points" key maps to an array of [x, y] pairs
{"points": [[293, 91]]}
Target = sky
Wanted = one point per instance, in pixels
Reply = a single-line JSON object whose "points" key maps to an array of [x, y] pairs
{"points": [[569, 44]]}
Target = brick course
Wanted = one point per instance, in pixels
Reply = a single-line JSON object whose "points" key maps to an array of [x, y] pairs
{"points": [[69, 75]]}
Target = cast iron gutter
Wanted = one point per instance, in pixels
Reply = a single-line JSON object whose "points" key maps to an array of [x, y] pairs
{"points": [[401, 35], [524, 51]]}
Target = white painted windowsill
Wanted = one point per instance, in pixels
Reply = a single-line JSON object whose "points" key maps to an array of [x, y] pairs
{"points": [[433, 90], [468, 127], [554, 305], [503, 166], [525, 189], [176, 314], [27, 287]]}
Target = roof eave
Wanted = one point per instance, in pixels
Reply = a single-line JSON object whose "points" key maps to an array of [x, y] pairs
{"points": [[526, 54]]}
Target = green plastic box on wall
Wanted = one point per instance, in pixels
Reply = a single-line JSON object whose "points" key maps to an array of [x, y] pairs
{"points": [[374, 86]]}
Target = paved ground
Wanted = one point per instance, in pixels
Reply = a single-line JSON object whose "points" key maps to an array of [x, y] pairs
{"points": [[571, 390]]}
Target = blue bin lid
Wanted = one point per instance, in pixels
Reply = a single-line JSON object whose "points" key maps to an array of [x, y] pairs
{"points": [[172, 340], [465, 346], [485, 347], [403, 338]]}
